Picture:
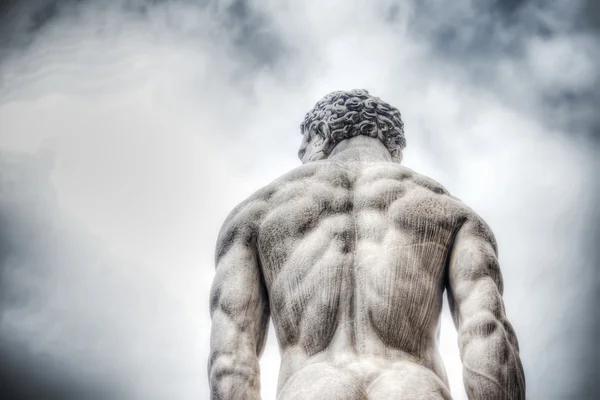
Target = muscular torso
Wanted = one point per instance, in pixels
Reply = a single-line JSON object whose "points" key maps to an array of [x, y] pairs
{"points": [[353, 257]]}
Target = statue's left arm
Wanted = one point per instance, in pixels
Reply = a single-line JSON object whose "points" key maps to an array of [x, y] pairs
{"points": [[489, 350], [239, 311]]}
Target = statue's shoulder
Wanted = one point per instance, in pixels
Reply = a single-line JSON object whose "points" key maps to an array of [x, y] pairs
{"points": [[243, 220], [254, 206], [304, 172], [461, 213], [425, 182], [241, 224]]}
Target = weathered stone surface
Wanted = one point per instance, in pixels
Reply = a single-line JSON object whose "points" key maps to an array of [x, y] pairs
{"points": [[350, 255]]}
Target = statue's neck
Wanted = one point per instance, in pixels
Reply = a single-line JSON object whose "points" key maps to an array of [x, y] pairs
{"points": [[360, 148]]}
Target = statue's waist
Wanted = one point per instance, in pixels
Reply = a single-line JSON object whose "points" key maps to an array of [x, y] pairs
{"points": [[405, 323]]}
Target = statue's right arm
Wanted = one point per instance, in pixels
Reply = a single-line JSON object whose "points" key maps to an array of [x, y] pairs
{"points": [[239, 311], [488, 345]]}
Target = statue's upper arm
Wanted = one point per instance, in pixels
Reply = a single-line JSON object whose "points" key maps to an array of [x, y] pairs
{"points": [[474, 276], [238, 275]]}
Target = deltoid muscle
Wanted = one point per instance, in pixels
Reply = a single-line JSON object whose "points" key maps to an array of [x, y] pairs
{"points": [[349, 255]]}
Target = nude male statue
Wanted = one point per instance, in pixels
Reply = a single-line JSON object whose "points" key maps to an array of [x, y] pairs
{"points": [[350, 254]]}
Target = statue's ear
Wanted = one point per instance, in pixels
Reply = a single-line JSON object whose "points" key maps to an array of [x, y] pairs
{"points": [[323, 130], [397, 156], [325, 134]]}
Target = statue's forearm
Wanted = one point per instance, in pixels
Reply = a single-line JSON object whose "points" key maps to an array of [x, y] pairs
{"points": [[491, 365], [233, 369], [234, 377]]}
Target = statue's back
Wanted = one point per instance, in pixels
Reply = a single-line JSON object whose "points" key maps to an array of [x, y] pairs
{"points": [[353, 256]]}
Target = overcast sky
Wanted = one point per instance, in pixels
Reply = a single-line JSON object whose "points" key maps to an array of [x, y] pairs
{"points": [[129, 129]]}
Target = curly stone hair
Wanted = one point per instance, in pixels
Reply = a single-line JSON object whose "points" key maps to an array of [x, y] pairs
{"points": [[342, 115]]}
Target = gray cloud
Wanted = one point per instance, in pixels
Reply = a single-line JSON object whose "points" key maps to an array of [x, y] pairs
{"points": [[30, 275], [591, 15], [251, 33], [159, 116]]}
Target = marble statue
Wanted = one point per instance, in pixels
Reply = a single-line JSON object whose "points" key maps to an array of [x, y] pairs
{"points": [[349, 255]]}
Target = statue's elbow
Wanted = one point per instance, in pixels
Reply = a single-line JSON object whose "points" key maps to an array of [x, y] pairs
{"points": [[480, 326]]}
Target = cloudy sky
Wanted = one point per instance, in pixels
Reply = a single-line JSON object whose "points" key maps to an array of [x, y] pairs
{"points": [[129, 129]]}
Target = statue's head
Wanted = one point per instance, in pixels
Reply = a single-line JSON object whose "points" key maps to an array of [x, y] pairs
{"points": [[343, 115]]}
